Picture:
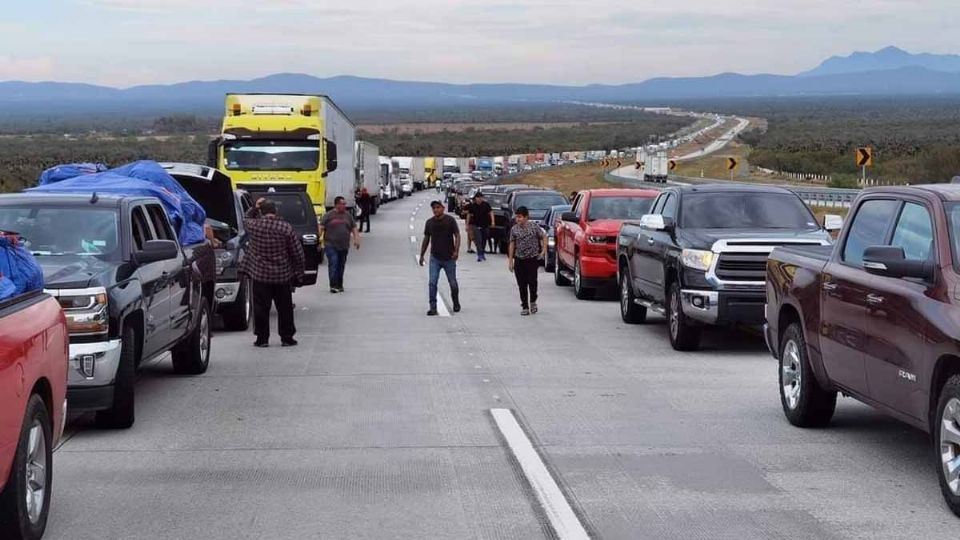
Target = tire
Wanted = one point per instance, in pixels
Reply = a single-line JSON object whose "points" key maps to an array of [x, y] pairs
{"points": [[558, 278], [121, 413], [581, 292], [805, 403], [946, 432], [192, 356], [22, 515], [549, 267], [684, 336], [236, 317], [630, 312]]}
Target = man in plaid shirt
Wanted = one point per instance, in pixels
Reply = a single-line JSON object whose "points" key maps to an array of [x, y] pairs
{"points": [[274, 261]]}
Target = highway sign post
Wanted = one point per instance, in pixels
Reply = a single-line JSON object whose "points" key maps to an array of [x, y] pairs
{"points": [[672, 165], [731, 165], [864, 159]]}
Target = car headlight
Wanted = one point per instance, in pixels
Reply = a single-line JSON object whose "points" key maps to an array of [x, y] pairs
{"points": [[551, 241], [86, 313], [696, 259], [223, 260], [597, 239]]}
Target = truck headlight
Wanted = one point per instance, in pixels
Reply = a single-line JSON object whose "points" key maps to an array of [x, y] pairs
{"points": [[696, 259], [597, 239], [551, 241], [86, 312], [223, 260]]}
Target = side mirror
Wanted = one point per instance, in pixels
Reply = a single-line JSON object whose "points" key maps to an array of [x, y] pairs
{"points": [[213, 152], [832, 222], [157, 250], [656, 222], [330, 150], [570, 216], [889, 261]]}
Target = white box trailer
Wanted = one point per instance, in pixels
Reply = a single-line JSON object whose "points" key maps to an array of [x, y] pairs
{"points": [[342, 132], [368, 170], [418, 172], [463, 163], [389, 180]]}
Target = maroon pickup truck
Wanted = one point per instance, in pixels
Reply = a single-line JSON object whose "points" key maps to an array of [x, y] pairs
{"points": [[876, 317]]}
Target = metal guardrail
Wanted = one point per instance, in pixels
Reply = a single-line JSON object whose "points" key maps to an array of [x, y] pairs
{"points": [[812, 195]]}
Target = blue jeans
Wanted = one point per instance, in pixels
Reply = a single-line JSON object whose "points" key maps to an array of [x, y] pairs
{"points": [[449, 268], [336, 263]]}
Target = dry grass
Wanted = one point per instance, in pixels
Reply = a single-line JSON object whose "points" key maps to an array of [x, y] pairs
{"points": [[715, 165], [567, 179]]}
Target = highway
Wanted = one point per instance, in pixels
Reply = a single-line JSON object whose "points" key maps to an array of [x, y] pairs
{"points": [[385, 423]]}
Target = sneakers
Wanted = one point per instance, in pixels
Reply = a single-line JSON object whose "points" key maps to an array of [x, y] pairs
{"points": [[432, 312], [456, 307], [334, 290], [471, 251], [288, 343], [533, 307], [261, 344], [339, 289], [524, 312]]}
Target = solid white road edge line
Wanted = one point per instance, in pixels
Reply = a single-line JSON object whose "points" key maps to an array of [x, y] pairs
{"points": [[413, 239], [442, 307], [562, 518]]}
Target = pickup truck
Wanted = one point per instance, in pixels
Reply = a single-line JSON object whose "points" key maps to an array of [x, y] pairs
{"points": [[877, 317], [225, 208], [33, 403], [129, 290], [586, 237], [537, 201], [293, 205], [699, 257]]}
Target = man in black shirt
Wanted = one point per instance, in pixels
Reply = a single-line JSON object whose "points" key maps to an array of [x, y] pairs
{"points": [[442, 235], [481, 217]]}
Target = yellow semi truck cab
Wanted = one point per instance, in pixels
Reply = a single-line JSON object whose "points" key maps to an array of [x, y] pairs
{"points": [[288, 138]]}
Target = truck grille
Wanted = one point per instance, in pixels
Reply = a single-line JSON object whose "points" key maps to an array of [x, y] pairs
{"points": [[742, 266]]}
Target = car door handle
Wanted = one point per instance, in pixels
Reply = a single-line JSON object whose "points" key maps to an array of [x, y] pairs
{"points": [[874, 299], [829, 287]]}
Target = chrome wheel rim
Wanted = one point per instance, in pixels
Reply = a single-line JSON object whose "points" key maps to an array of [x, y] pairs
{"points": [[791, 374], [674, 315], [204, 341], [950, 444], [624, 295], [36, 472]]}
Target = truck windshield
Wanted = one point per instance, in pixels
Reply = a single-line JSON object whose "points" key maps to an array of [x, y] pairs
{"points": [[619, 207], [57, 231], [272, 155], [745, 211]]}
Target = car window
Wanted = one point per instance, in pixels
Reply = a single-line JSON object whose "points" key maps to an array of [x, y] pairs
{"points": [[669, 209], [914, 232], [869, 228], [141, 229], [161, 225]]}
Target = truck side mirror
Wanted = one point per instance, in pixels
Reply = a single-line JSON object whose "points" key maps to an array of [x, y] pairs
{"points": [[656, 222], [570, 216], [213, 152], [890, 261], [330, 151], [832, 222], [157, 250]]}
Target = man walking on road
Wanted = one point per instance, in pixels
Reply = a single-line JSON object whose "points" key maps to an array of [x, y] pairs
{"points": [[480, 215], [274, 261], [442, 235], [365, 202], [336, 228], [528, 244]]}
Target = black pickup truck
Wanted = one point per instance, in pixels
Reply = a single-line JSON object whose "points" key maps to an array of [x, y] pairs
{"points": [[225, 208], [129, 290], [700, 256]]}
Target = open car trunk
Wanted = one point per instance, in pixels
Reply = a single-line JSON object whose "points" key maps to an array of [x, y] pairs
{"points": [[213, 190]]}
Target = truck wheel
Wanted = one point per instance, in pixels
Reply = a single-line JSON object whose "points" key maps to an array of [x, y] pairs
{"points": [[120, 415], [581, 292], [684, 336], [558, 278], [25, 502], [630, 312], [805, 403], [947, 447], [192, 356], [236, 317]]}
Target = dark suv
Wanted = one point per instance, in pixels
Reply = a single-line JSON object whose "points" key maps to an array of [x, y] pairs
{"points": [[537, 201], [294, 205]]}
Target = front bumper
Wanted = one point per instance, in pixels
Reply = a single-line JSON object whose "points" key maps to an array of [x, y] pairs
{"points": [[92, 389], [724, 307], [770, 339], [598, 270], [94, 398]]}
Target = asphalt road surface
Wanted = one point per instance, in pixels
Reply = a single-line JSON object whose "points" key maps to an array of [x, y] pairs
{"points": [[379, 425]]}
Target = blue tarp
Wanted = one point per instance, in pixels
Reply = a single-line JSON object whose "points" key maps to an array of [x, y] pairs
{"points": [[68, 171], [19, 271], [140, 178]]}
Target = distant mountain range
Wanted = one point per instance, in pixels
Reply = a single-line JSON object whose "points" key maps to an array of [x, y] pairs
{"points": [[890, 71]]}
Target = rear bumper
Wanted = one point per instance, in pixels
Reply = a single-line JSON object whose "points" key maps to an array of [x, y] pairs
{"points": [[724, 307]]}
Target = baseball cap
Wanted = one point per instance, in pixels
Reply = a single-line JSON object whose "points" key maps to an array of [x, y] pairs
{"points": [[434, 204]]}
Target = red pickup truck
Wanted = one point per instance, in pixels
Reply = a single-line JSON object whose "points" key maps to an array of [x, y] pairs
{"points": [[876, 317], [586, 237], [33, 400]]}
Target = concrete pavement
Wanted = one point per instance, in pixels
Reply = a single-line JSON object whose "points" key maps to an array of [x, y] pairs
{"points": [[378, 426]]}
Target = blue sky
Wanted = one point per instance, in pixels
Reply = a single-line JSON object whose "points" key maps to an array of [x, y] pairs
{"points": [[129, 42]]}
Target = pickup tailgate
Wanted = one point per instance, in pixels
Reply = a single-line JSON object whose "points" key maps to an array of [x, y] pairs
{"points": [[793, 279]]}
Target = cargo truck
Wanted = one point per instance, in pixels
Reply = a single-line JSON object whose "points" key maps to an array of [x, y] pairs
{"points": [[418, 173], [404, 168], [288, 138], [367, 162], [450, 167], [389, 181], [656, 167], [432, 170], [485, 165]]}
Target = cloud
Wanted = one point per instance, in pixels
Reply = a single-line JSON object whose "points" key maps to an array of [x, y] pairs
{"points": [[27, 69]]}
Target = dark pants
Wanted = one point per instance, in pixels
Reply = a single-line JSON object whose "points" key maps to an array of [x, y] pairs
{"points": [[336, 264], [480, 237], [526, 271], [365, 218], [450, 269], [280, 294]]}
